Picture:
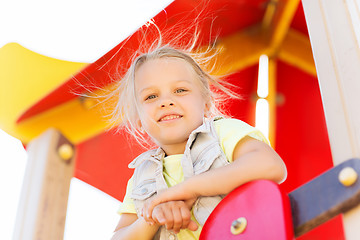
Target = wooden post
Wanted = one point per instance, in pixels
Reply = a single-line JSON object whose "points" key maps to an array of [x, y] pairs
{"points": [[272, 101], [43, 203], [334, 31]]}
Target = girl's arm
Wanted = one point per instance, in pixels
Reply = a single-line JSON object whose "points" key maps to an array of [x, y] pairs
{"points": [[133, 228], [253, 160]]}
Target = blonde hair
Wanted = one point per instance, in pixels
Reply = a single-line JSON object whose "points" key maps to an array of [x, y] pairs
{"points": [[121, 96], [125, 114]]}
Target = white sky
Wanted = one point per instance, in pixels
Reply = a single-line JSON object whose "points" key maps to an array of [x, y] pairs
{"points": [[80, 31]]}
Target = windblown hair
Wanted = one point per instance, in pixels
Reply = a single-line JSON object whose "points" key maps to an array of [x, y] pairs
{"points": [[125, 113]]}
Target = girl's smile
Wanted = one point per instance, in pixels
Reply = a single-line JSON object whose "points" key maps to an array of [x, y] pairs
{"points": [[169, 102], [169, 117]]}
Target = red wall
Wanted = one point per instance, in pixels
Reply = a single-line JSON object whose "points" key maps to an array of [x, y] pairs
{"points": [[302, 139]]}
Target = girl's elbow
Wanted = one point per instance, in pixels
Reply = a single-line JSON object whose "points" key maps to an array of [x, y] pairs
{"points": [[277, 170], [274, 166]]}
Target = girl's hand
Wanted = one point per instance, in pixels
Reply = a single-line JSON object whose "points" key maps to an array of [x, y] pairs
{"points": [[175, 215], [178, 192]]}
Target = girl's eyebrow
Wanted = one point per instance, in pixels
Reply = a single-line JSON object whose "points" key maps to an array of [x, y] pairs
{"points": [[145, 89], [187, 81], [177, 81]]}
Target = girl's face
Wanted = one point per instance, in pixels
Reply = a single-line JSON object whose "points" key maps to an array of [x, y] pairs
{"points": [[170, 103]]}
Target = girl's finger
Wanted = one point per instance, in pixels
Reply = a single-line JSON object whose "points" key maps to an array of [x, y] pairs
{"points": [[150, 205], [177, 219], [149, 220], [169, 219], [192, 226], [158, 216], [185, 216], [147, 215]]}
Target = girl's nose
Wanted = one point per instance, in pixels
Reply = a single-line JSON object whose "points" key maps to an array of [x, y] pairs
{"points": [[166, 100], [167, 104]]}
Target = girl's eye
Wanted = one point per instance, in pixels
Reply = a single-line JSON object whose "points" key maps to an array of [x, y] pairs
{"points": [[152, 96], [180, 90]]}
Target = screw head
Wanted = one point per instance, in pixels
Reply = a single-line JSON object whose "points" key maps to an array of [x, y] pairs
{"points": [[238, 226], [66, 152], [348, 176]]}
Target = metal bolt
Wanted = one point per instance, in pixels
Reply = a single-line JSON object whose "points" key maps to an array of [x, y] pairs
{"points": [[348, 176], [66, 152], [238, 226], [87, 102]]}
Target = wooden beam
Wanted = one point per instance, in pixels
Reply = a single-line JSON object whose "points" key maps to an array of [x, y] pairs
{"points": [[270, 11], [272, 101], [44, 197], [277, 27], [85, 121], [334, 192], [334, 34], [244, 48], [237, 51], [296, 50]]}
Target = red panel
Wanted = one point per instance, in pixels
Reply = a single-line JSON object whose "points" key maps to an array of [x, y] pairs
{"points": [[331, 230], [298, 21], [265, 207], [102, 162], [301, 137], [213, 18], [246, 82]]}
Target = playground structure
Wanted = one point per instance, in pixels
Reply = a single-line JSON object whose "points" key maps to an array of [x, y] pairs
{"points": [[308, 142]]}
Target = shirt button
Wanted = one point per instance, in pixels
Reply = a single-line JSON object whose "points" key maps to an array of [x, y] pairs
{"points": [[144, 190], [172, 237]]}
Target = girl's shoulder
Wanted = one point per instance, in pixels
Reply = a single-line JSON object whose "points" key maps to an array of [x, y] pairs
{"points": [[235, 128], [232, 122]]}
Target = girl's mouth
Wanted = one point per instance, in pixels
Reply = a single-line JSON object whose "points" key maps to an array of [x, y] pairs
{"points": [[169, 117]]}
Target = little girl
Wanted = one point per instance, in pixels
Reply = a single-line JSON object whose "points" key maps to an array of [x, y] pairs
{"points": [[200, 158]]}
